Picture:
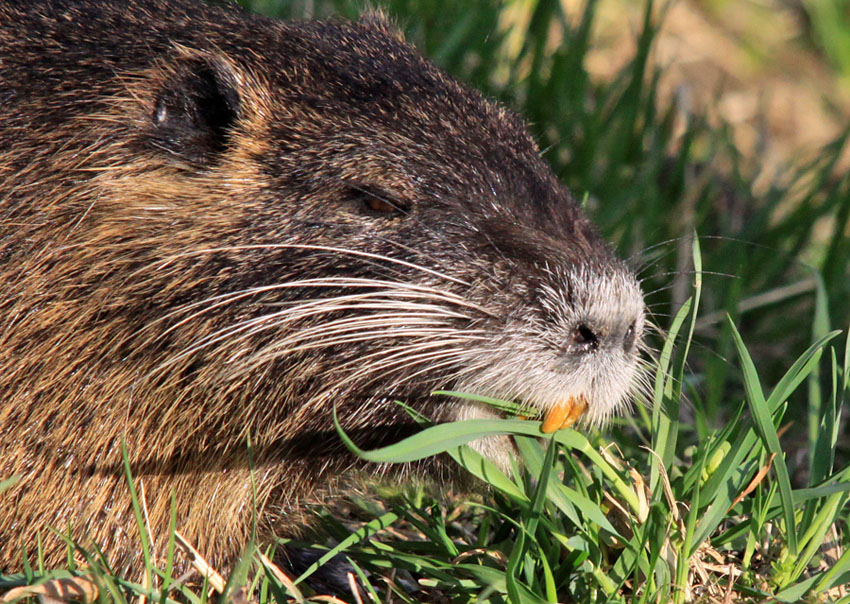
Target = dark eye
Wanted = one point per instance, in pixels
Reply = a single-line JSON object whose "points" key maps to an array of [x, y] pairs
{"points": [[379, 205], [373, 202]]}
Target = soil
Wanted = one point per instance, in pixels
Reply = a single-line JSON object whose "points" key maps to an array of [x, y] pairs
{"points": [[748, 64]]}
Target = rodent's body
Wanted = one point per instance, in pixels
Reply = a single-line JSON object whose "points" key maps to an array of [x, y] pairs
{"points": [[214, 226]]}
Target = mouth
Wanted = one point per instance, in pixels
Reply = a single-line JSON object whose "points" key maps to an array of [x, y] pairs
{"points": [[564, 414]]}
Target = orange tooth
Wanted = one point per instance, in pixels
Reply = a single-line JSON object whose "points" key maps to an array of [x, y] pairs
{"points": [[579, 406], [564, 415], [556, 416]]}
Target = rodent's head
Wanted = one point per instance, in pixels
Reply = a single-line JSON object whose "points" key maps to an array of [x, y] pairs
{"points": [[333, 219]]}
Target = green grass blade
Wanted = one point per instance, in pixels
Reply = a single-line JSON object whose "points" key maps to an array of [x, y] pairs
{"points": [[444, 437], [433, 440], [508, 406], [543, 478], [568, 500], [668, 430], [798, 372], [820, 328], [8, 483], [663, 423], [169, 562], [511, 581], [838, 574], [767, 431], [481, 467], [365, 581], [137, 510], [237, 582], [364, 532]]}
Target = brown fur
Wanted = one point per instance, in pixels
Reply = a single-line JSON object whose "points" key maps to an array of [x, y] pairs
{"points": [[196, 248]]}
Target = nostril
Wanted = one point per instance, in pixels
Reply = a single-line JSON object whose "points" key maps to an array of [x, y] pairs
{"points": [[585, 339], [629, 338]]}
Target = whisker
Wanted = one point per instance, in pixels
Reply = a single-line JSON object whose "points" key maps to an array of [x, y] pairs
{"points": [[287, 348], [257, 325], [323, 248], [391, 290], [399, 361]]}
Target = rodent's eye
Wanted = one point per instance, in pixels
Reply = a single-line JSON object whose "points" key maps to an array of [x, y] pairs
{"points": [[373, 202], [379, 205]]}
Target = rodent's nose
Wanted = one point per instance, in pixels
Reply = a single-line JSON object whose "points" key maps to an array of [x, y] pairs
{"points": [[589, 338], [584, 339]]}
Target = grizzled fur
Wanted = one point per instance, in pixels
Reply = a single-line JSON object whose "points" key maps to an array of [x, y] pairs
{"points": [[216, 227]]}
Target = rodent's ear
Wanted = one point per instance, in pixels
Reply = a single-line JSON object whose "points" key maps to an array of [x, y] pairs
{"points": [[196, 108], [378, 19]]}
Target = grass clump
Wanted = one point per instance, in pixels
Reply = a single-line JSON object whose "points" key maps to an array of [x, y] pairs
{"points": [[580, 519], [588, 523]]}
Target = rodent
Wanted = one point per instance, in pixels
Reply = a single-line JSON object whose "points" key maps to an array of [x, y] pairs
{"points": [[215, 227]]}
